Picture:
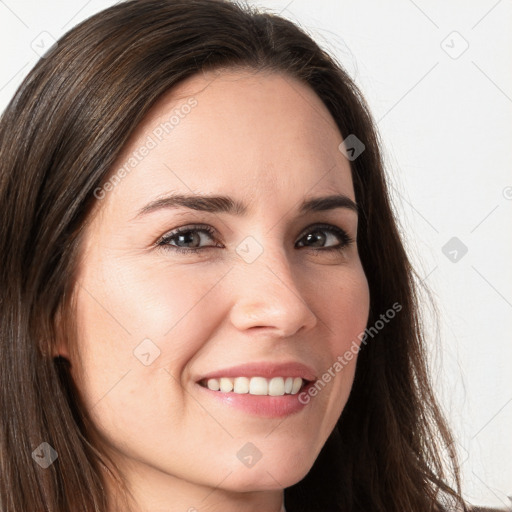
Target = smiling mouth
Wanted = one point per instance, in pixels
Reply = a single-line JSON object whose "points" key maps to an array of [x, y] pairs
{"points": [[260, 386]]}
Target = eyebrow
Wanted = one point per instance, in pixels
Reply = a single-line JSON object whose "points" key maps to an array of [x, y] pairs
{"points": [[226, 204]]}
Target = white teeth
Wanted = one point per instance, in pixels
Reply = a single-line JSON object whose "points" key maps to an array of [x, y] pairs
{"points": [[241, 385], [226, 385], [277, 386], [258, 386], [297, 383], [213, 384]]}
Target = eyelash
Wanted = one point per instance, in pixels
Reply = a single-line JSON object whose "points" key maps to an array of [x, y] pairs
{"points": [[163, 243]]}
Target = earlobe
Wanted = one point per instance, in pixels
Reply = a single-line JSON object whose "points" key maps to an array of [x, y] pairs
{"points": [[60, 351], [60, 347]]}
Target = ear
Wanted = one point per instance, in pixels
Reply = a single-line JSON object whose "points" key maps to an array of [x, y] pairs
{"points": [[60, 347], [60, 350]]}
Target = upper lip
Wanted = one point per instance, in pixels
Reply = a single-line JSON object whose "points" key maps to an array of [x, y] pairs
{"points": [[264, 369]]}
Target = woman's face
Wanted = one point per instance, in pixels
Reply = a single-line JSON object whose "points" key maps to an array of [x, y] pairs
{"points": [[276, 285]]}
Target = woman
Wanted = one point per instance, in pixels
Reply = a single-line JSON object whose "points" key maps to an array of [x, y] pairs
{"points": [[278, 362]]}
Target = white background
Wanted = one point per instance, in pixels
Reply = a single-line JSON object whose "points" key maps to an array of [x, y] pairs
{"points": [[445, 117]]}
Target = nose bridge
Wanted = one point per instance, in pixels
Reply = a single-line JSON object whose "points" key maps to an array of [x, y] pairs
{"points": [[267, 294]]}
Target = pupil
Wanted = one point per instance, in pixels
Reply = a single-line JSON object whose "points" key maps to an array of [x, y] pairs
{"points": [[317, 237], [188, 236]]}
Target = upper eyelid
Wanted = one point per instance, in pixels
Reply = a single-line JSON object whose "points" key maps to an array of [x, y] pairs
{"points": [[190, 227]]}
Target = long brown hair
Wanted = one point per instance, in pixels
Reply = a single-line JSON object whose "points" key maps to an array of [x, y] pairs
{"points": [[59, 138]]}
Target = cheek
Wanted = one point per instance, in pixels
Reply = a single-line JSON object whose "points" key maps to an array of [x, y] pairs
{"points": [[345, 306], [135, 302], [132, 318], [137, 329], [344, 309]]}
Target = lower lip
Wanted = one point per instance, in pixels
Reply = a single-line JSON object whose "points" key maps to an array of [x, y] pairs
{"points": [[265, 406]]}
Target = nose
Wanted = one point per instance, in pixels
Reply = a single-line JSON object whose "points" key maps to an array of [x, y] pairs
{"points": [[267, 296]]}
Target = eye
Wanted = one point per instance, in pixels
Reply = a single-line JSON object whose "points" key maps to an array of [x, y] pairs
{"points": [[191, 235], [333, 231], [186, 235]]}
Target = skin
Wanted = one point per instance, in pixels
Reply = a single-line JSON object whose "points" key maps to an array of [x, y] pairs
{"points": [[267, 140]]}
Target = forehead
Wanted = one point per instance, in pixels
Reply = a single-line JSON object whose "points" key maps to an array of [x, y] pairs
{"points": [[252, 135]]}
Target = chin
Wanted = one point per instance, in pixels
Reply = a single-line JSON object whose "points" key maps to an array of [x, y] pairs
{"points": [[266, 476]]}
